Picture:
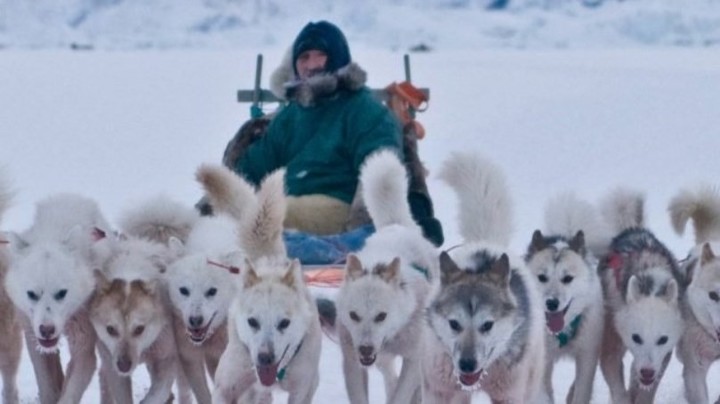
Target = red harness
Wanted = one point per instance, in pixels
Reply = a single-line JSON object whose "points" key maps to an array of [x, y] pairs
{"points": [[615, 262]]}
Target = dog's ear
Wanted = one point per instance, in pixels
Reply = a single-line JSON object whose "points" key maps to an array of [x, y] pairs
{"points": [[633, 293], [499, 272], [291, 278], [176, 246], [15, 242], [353, 267], [577, 243], [389, 273], [102, 283], [146, 287], [448, 269], [250, 277], [707, 254], [670, 294], [537, 243]]}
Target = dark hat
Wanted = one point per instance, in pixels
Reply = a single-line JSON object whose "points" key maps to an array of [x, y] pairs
{"points": [[325, 37]]}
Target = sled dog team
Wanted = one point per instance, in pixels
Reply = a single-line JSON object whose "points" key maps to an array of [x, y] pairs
{"points": [[213, 304]]}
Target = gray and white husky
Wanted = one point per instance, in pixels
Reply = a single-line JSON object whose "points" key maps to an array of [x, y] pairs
{"points": [[571, 290], [50, 282], [642, 287], [699, 346], [486, 321], [274, 335], [381, 302], [10, 329]]}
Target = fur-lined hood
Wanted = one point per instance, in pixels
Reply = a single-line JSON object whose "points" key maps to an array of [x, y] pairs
{"points": [[307, 92]]}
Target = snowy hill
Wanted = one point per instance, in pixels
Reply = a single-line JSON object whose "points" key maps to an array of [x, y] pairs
{"points": [[394, 25]]}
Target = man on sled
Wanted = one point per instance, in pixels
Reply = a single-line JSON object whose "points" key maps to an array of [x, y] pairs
{"points": [[330, 122]]}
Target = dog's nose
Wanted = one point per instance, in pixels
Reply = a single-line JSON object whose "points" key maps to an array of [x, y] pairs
{"points": [[552, 304], [366, 350], [266, 359], [196, 321], [124, 364], [47, 331], [647, 373], [467, 365]]}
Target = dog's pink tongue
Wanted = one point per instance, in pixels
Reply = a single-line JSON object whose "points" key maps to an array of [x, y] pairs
{"points": [[267, 374], [469, 379], [555, 321]]}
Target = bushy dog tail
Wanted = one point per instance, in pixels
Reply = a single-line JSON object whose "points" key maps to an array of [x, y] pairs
{"points": [[703, 207], [623, 209], [485, 212], [158, 219], [566, 214], [385, 188], [261, 233], [228, 192], [6, 193]]}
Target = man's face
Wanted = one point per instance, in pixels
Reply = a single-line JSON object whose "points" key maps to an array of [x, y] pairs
{"points": [[310, 62]]}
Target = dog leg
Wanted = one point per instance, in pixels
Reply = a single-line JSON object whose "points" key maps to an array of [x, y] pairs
{"points": [[695, 378], [184, 391], [585, 368], [611, 364], [162, 374], [47, 368], [409, 381], [10, 362], [386, 365], [355, 376], [82, 365], [547, 380], [118, 388], [192, 366], [235, 375]]}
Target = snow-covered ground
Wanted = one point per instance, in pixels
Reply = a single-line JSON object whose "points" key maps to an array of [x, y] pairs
{"points": [[123, 126]]}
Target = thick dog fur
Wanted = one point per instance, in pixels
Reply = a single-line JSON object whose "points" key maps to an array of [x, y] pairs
{"points": [[381, 302], [274, 332], [642, 287], [10, 329], [486, 321], [50, 282], [571, 291], [129, 309], [699, 346]]}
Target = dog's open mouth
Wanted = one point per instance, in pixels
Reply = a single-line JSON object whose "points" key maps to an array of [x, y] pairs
{"points": [[367, 360], [48, 343], [267, 374], [198, 335], [555, 321], [470, 379], [646, 382]]}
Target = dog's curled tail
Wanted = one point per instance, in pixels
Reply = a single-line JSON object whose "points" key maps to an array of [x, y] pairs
{"points": [[623, 208], [385, 187], [485, 212], [261, 234], [158, 219], [228, 192], [566, 214], [6, 193], [703, 207]]}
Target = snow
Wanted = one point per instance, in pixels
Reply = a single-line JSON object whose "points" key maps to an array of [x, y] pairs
{"points": [[563, 97]]}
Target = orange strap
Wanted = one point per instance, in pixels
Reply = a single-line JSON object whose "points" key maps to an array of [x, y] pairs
{"points": [[330, 277], [404, 99]]}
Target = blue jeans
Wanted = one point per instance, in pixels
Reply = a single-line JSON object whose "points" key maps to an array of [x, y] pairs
{"points": [[312, 249]]}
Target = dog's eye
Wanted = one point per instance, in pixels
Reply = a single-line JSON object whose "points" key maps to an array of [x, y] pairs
{"points": [[542, 278], [33, 296], [211, 292], [111, 331], [662, 340], [284, 323], [60, 294], [138, 330], [487, 326], [354, 317], [714, 296], [455, 325], [566, 279], [636, 339], [184, 291], [380, 317], [253, 323]]}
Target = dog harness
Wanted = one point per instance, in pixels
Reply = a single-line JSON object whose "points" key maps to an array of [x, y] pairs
{"points": [[281, 373], [422, 270], [565, 336]]}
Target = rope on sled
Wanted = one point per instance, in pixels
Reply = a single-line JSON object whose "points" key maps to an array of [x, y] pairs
{"points": [[329, 277]]}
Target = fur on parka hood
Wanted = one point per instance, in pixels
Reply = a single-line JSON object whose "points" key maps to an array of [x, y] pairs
{"points": [[285, 86]]}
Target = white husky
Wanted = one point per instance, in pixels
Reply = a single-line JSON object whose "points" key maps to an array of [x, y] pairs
{"points": [[11, 341], [274, 330], [642, 286], [202, 284], [381, 303], [699, 346], [572, 294], [129, 307], [50, 282], [487, 319]]}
